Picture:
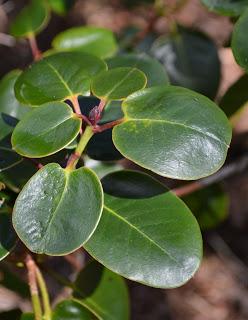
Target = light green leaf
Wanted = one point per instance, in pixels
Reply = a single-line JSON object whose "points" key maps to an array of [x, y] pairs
{"points": [[58, 210], [226, 7], [103, 292], [7, 235], [61, 6], [31, 20], [154, 71], [72, 310], [239, 41], [58, 77], [97, 41], [46, 130], [154, 240], [174, 132], [9, 105], [117, 84]]}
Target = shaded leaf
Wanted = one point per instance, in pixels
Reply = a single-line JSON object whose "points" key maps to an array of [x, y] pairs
{"points": [[97, 41], [58, 77], [8, 158], [46, 130], [61, 7], [58, 210], [174, 132], [226, 7], [27, 316], [11, 315], [7, 235], [72, 310], [155, 241]]}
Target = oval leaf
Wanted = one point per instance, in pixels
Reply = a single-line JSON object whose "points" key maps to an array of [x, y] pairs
{"points": [[97, 41], [174, 132], [32, 19], [72, 310], [239, 41], [61, 7], [226, 7], [103, 292], [117, 84], [46, 130], [57, 210], [7, 235], [154, 71], [155, 240], [58, 77]]}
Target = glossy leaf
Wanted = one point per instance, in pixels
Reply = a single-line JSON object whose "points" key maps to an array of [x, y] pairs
{"points": [[72, 310], [118, 83], [46, 130], [102, 168], [7, 235], [58, 77], [32, 19], [97, 41], [154, 71], [209, 205], [61, 7], [235, 97], [239, 41], [103, 292], [174, 132], [9, 105], [191, 60], [226, 7], [154, 240], [57, 210]]}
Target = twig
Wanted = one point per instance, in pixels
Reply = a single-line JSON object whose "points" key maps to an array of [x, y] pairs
{"points": [[107, 126], [37, 55]]}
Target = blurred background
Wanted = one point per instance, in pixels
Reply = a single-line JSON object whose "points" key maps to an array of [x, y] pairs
{"points": [[193, 46]]}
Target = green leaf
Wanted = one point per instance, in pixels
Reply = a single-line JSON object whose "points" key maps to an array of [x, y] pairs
{"points": [[28, 316], [235, 97], [191, 60], [118, 83], [154, 240], [97, 41], [31, 20], [58, 77], [239, 41], [103, 292], [209, 205], [46, 130], [174, 132], [102, 168], [61, 7], [72, 310], [154, 71], [8, 158], [9, 105], [226, 7], [7, 235], [58, 210]]}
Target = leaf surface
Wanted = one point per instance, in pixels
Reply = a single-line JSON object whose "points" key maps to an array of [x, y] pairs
{"points": [[7, 235], [226, 7], [71, 310]]}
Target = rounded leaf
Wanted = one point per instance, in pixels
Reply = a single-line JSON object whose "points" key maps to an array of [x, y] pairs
{"points": [[46, 130], [154, 71], [155, 240], [58, 210], [118, 83], [32, 19], [61, 7], [7, 235], [226, 7], [72, 310], [239, 41], [173, 132], [98, 41], [58, 77]]}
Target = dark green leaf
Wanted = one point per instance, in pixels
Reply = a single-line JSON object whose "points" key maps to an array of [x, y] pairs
{"points": [[174, 132], [72, 310], [8, 158], [58, 77], [57, 210], [155, 240], [61, 7], [191, 60], [32, 19], [226, 7], [210, 206], [9, 105], [103, 292], [27, 316], [154, 71], [46, 130], [235, 97], [98, 41], [7, 235], [118, 83], [112, 111], [239, 41]]}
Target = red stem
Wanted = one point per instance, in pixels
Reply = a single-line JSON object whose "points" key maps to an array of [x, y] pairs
{"points": [[34, 47], [107, 126]]}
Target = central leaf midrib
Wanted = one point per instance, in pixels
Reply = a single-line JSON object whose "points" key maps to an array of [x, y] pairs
{"points": [[174, 123], [141, 233]]}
